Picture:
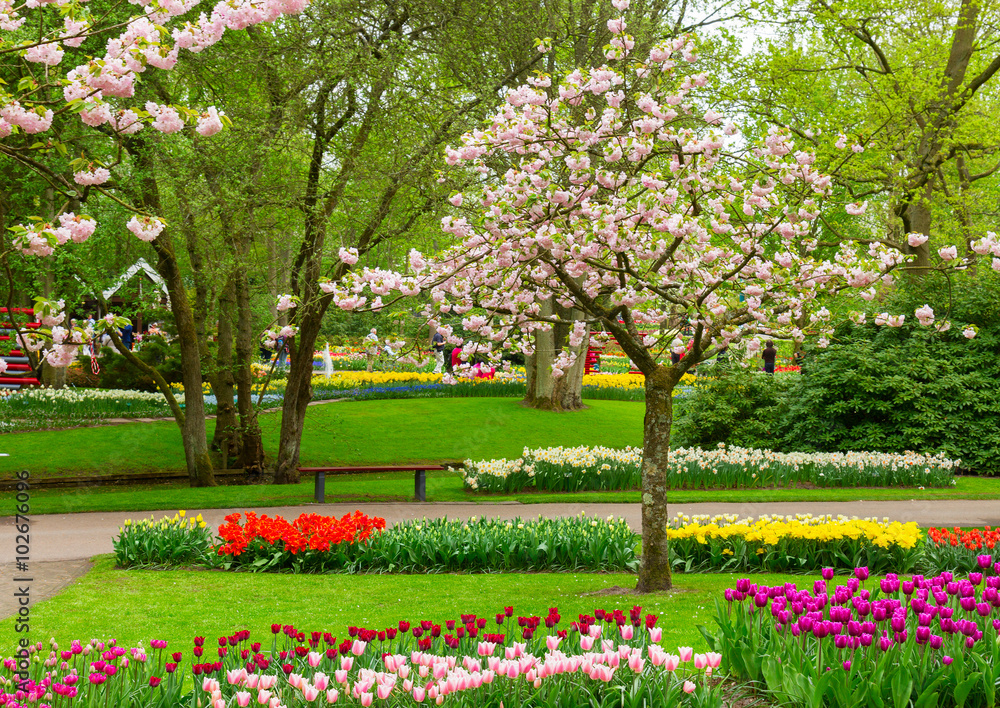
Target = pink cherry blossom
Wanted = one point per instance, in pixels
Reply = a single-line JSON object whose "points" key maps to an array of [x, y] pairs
{"points": [[916, 240], [145, 227], [209, 122], [948, 253]]}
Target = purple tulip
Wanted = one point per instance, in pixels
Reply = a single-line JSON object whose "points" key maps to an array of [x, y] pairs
{"points": [[975, 578], [907, 587], [923, 635], [946, 660], [884, 643], [984, 561], [819, 587], [936, 641], [970, 642], [996, 625], [983, 609], [924, 619], [847, 665], [729, 595], [898, 622], [866, 640], [946, 576], [827, 573], [743, 585], [861, 573], [760, 599], [841, 641], [900, 637]]}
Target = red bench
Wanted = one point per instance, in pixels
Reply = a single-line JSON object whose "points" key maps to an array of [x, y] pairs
{"points": [[419, 476]]}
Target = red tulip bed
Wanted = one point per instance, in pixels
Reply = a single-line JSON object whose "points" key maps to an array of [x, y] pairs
{"points": [[598, 660]]}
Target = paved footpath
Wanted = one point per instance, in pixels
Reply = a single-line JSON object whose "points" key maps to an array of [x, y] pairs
{"points": [[62, 544]]}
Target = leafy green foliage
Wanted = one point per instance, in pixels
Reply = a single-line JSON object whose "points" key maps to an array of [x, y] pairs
{"points": [[901, 389], [737, 407], [117, 372]]}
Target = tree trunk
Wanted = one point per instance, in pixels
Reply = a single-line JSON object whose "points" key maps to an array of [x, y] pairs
{"points": [[918, 220], [251, 443], [654, 572], [544, 392], [223, 383], [199, 464], [298, 393]]}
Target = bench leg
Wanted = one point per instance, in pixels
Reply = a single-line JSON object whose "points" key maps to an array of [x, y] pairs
{"points": [[320, 488], [420, 485]]}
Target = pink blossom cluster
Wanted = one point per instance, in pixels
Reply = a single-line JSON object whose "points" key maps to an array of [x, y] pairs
{"points": [[146, 228], [626, 205]]}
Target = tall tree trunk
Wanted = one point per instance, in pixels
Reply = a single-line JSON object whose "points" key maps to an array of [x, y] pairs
{"points": [[223, 383], [654, 572], [298, 393], [544, 392], [199, 464], [251, 443], [918, 220]]}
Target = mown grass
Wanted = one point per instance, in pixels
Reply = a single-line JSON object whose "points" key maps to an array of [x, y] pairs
{"points": [[344, 433], [372, 433], [135, 606]]}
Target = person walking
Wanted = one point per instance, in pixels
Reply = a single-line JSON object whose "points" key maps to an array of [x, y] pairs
{"points": [[437, 344], [769, 354]]}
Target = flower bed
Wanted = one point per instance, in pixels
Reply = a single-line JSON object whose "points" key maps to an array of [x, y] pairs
{"points": [[784, 544], [357, 543], [957, 549], [599, 660], [48, 406], [582, 468], [921, 641], [167, 542]]}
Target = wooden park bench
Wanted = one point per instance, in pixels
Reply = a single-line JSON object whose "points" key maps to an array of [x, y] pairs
{"points": [[419, 476]]}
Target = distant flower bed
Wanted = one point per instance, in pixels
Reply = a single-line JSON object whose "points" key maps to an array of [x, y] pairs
{"points": [[358, 543], [41, 407], [583, 468], [791, 544]]}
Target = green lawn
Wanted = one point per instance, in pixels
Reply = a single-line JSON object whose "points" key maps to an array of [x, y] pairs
{"points": [[346, 433], [376, 432], [136, 606]]}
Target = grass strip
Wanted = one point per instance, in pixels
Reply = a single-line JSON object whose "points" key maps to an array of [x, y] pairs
{"points": [[135, 606]]}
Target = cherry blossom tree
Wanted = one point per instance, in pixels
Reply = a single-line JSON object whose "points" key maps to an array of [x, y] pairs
{"points": [[616, 195], [71, 71]]}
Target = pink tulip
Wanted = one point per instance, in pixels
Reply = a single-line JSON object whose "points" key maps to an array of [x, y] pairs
{"points": [[700, 661], [509, 653], [552, 642], [419, 694], [358, 648], [655, 634], [627, 632], [219, 703], [209, 684], [267, 681], [321, 680], [314, 658], [236, 676], [252, 680], [407, 685], [636, 662], [263, 697], [295, 681], [310, 693], [347, 663], [275, 702], [685, 653], [332, 695], [243, 698], [384, 690], [671, 662], [586, 643], [403, 671], [340, 676], [714, 659], [440, 670], [689, 687]]}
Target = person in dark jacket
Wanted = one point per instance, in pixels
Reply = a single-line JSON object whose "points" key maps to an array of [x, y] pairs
{"points": [[770, 354]]}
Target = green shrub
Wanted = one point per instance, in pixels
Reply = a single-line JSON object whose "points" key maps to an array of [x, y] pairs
{"points": [[887, 389], [735, 406]]}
